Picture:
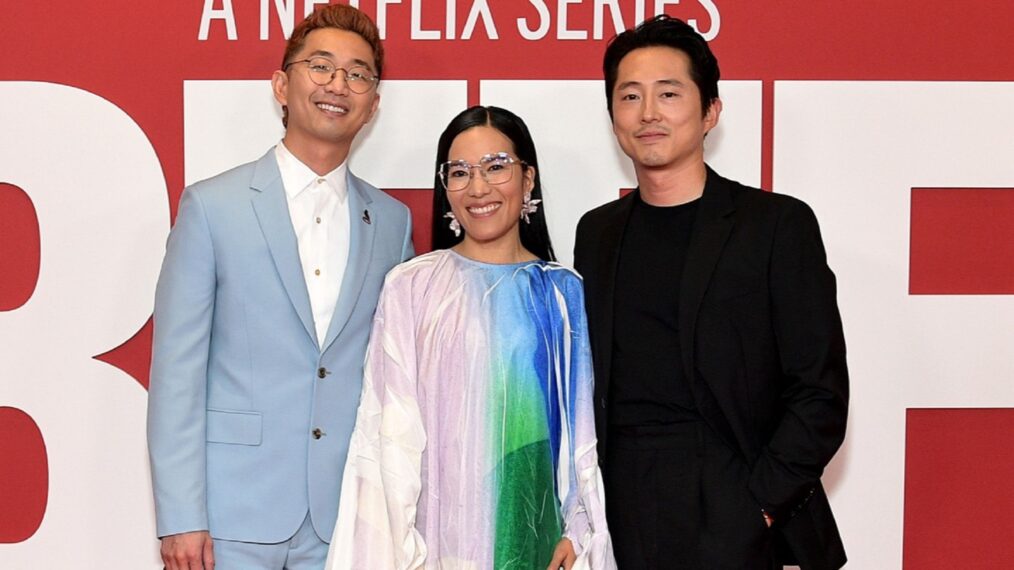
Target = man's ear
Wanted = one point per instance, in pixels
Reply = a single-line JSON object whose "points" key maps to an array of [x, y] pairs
{"points": [[373, 109], [711, 116], [280, 87]]}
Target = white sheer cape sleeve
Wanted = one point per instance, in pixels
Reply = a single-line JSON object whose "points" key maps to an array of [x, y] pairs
{"points": [[583, 507], [382, 481]]}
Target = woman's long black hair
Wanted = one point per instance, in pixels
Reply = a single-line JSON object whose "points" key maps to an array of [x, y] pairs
{"points": [[534, 235]]}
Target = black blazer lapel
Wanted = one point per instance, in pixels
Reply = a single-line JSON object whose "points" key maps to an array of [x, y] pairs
{"points": [[611, 235], [714, 223], [711, 230]]}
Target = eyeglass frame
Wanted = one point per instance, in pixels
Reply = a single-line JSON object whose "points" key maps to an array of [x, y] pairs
{"points": [[371, 81], [493, 155]]}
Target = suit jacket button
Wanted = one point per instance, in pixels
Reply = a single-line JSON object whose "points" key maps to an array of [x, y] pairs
{"points": [[318, 433], [602, 403], [321, 372]]}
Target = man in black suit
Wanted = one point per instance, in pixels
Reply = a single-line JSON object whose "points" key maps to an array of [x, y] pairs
{"points": [[721, 384]]}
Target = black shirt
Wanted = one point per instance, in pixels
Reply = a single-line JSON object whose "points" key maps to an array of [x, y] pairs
{"points": [[649, 386]]}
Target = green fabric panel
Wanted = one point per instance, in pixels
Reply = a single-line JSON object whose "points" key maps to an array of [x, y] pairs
{"points": [[528, 520]]}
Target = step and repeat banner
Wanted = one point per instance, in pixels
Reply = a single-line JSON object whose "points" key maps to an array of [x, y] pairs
{"points": [[894, 120]]}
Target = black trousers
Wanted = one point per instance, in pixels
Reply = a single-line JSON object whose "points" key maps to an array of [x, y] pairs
{"points": [[677, 497]]}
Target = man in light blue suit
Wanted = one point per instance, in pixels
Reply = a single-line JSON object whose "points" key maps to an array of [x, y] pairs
{"points": [[262, 314]]}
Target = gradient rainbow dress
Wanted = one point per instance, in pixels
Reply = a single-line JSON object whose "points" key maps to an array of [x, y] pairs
{"points": [[474, 446]]}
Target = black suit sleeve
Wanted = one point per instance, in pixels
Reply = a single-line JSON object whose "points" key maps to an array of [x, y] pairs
{"points": [[811, 350]]}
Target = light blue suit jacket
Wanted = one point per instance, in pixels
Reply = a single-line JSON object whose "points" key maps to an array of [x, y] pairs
{"points": [[236, 391]]}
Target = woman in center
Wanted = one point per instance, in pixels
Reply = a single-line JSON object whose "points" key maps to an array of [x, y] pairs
{"points": [[474, 446]]}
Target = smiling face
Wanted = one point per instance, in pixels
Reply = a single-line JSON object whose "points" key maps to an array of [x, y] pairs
{"points": [[330, 115], [657, 110], [489, 213]]}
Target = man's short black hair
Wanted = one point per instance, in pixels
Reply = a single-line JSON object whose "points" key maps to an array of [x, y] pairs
{"points": [[664, 31]]}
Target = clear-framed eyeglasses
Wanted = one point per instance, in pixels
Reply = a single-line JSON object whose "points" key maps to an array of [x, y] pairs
{"points": [[495, 168], [322, 71]]}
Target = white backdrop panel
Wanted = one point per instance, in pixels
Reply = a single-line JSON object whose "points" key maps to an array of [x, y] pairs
{"points": [[854, 151], [103, 214], [230, 122]]}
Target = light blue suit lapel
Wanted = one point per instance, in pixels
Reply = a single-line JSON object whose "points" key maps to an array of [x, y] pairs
{"points": [[363, 227], [272, 211]]}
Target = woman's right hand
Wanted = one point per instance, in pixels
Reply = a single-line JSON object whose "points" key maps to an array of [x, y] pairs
{"points": [[564, 555]]}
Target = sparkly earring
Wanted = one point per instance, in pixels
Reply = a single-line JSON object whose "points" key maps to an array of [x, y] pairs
{"points": [[454, 225], [529, 206]]}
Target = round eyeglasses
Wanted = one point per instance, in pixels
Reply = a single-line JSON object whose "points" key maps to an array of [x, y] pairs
{"points": [[359, 78], [495, 168]]}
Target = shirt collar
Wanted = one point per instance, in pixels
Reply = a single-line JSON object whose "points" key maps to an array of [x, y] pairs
{"points": [[298, 177]]}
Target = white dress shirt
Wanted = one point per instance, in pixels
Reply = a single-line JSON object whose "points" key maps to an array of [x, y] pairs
{"points": [[319, 209]]}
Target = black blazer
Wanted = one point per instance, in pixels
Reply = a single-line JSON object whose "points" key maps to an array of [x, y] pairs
{"points": [[761, 340]]}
